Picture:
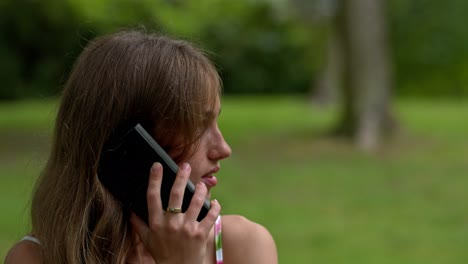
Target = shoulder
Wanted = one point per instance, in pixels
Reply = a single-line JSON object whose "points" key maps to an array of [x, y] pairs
{"points": [[245, 241], [24, 252]]}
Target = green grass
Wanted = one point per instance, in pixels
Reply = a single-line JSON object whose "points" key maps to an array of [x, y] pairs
{"points": [[322, 200]]}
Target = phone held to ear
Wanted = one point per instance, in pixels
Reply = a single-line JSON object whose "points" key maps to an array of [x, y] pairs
{"points": [[124, 169]]}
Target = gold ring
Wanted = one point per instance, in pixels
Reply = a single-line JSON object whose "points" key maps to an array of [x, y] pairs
{"points": [[174, 210]]}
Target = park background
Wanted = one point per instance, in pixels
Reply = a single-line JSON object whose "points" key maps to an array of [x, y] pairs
{"points": [[347, 119]]}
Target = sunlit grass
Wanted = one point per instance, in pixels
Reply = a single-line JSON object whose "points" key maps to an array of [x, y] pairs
{"points": [[31, 114], [323, 200]]}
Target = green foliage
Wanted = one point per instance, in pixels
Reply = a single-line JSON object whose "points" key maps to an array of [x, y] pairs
{"points": [[38, 43], [255, 49], [430, 47], [258, 48], [260, 54]]}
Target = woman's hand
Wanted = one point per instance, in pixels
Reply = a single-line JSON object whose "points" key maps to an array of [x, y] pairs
{"points": [[175, 237]]}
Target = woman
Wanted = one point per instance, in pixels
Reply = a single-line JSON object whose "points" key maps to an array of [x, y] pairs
{"points": [[167, 85]]}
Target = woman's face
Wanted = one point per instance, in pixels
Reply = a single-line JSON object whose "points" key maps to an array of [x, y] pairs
{"points": [[211, 150]]}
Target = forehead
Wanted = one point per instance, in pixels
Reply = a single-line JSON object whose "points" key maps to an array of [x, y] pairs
{"points": [[217, 105], [215, 109]]}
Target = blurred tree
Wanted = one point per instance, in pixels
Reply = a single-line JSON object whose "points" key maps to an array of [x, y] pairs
{"points": [[257, 45], [35, 47], [366, 114], [106, 16], [326, 86], [357, 64], [256, 49], [430, 40], [252, 45]]}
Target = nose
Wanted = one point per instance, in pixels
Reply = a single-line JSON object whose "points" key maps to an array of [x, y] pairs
{"points": [[220, 149]]}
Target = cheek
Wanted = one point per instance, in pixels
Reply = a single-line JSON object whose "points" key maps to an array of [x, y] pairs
{"points": [[197, 171], [195, 176]]}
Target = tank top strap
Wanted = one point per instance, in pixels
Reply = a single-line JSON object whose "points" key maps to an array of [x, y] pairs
{"points": [[218, 241], [31, 239]]}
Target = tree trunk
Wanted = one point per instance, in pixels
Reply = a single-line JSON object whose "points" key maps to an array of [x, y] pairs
{"points": [[367, 73], [326, 90]]}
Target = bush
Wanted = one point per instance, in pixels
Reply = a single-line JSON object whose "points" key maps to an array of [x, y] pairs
{"points": [[39, 43], [255, 50]]}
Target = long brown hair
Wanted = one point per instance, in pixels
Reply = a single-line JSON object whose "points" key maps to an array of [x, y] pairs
{"points": [[164, 83]]}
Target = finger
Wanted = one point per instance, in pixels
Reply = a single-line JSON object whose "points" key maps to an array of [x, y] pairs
{"points": [[209, 220], [153, 194], [178, 188], [140, 227], [197, 201]]}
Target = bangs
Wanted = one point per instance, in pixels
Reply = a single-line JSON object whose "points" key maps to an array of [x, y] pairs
{"points": [[211, 83], [207, 91], [197, 88]]}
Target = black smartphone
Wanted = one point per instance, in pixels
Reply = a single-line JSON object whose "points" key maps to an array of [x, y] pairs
{"points": [[124, 169]]}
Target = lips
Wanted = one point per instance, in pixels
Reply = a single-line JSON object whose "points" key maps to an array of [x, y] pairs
{"points": [[209, 179]]}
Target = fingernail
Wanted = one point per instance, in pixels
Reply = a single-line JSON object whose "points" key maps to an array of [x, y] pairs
{"points": [[185, 166], [155, 167]]}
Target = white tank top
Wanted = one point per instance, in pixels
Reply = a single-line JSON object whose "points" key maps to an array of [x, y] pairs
{"points": [[32, 239]]}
